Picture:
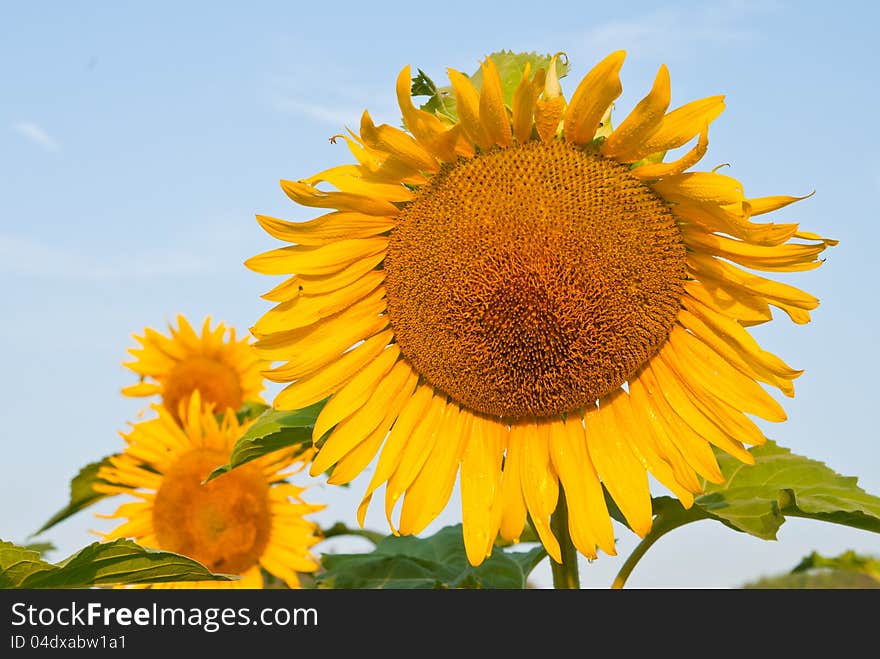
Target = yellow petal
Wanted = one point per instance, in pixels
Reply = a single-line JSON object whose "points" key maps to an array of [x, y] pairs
{"points": [[524, 106], [480, 486], [493, 114], [700, 186], [364, 420], [548, 115], [410, 416], [648, 418], [624, 476], [513, 513], [738, 304], [142, 389], [397, 143], [540, 485], [646, 450], [423, 125], [355, 392], [356, 460], [703, 366], [591, 99], [415, 452], [306, 310], [693, 447], [678, 127], [467, 100], [680, 396], [588, 519], [307, 195], [760, 257], [334, 335], [793, 301], [761, 205], [324, 260], [644, 118], [327, 381], [321, 284], [429, 492], [688, 160], [327, 228]]}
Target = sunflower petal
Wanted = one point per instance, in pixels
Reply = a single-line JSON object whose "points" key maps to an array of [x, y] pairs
{"points": [[644, 118], [592, 98], [540, 484], [624, 476]]}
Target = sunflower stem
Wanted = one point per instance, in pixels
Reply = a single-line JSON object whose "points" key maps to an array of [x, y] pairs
{"points": [[661, 526], [565, 574]]}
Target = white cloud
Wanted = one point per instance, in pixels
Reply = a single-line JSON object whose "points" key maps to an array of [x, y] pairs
{"points": [[338, 116], [678, 30], [36, 134], [28, 256]]}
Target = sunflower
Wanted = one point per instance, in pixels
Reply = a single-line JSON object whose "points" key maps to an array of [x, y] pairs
{"points": [[248, 519], [535, 299], [226, 371]]}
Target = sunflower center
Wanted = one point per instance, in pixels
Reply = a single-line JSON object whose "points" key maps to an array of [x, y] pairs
{"points": [[217, 382], [224, 524], [533, 280]]}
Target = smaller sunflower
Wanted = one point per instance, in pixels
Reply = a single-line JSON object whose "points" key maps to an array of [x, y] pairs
{"points": [[236, 524], [226, 371]]}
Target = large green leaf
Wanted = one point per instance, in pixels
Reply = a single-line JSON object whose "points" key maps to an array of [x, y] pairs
{"points": [[273, 430], [510, 67], [118, 562], [82, 493], [438, 561], [757, 498]]}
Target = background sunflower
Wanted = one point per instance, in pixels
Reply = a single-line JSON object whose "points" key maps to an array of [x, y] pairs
{"points": [[237, 524]]}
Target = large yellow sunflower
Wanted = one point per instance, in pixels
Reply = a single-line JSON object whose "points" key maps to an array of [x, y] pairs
{"points": [[536, 299], [226, 371], [235, 524]]}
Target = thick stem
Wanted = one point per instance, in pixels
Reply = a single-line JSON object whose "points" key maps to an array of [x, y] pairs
{"points": [[565, 574]]}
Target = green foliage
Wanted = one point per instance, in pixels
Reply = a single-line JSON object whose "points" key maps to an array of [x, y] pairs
{"points": [[849, 570], [82, 493], [251, 409], [510, 67], [756, 499], [273, 430], [438, 561], [40, 547], [99, 564], [848, 562]]}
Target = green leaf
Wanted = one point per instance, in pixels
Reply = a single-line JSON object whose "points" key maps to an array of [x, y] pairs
{"points": [[40, 547], [757, 498], [82, 493], [273, 430], [438, 561], [510, 67], [119, 562], [250, 409]]}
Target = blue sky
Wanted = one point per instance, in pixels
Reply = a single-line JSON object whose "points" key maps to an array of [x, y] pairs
{"points": [[138, 140]]}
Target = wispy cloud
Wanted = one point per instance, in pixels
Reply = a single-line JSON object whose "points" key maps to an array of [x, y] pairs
{"points": [[28, 256], [338, 105], [336, 115], [36, 134], [660, 32]]}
